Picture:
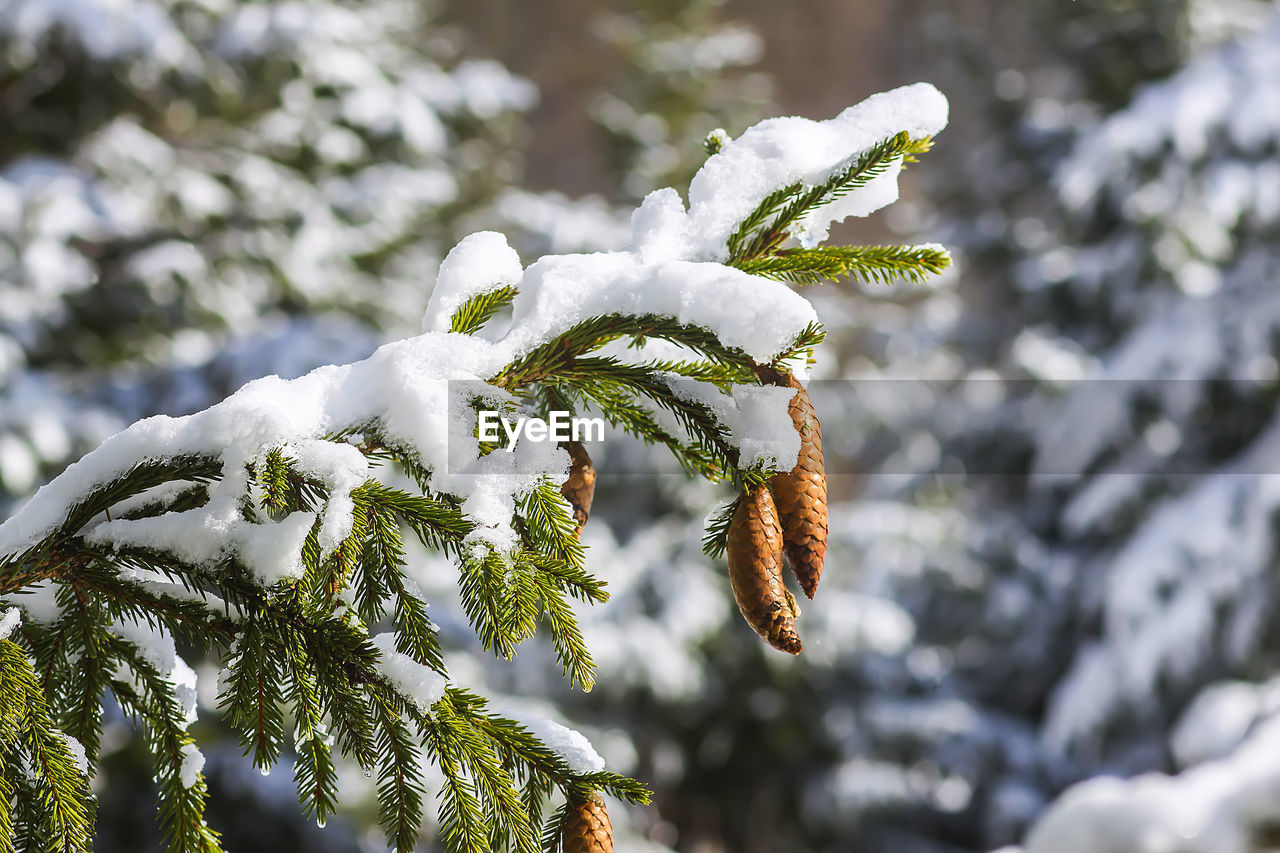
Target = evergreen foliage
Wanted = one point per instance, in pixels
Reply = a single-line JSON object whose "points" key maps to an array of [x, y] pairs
{"points": [[304, 670], [182, 181]]}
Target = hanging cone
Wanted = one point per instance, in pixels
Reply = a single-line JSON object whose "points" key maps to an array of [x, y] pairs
{"points": [[587, 828], [801, 494], [579, 489], [755, 571]]}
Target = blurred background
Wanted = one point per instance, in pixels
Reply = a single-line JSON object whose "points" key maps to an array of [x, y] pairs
{"points": [[1054, 539]]}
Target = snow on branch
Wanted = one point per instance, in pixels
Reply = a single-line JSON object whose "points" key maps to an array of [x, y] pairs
{"points": [[270, 525]]}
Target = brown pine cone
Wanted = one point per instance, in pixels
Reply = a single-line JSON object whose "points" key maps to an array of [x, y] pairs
{"points": [[580, 488], [587, 828], [755, 571], [801, 494]]}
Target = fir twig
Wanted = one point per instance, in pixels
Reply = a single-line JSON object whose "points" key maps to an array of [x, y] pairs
{"points": [[881, 264], [479, 309], [764, 230]]}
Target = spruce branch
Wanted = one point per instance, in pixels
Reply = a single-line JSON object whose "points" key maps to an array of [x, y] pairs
{"points": [[720, 375], [751, 228], [254, 694], [45, 559], [59, 810], [698, 421], [303, 635], [548, 360], [553, 829], [149, 698], [416, 635], [400, 783], [314, 772], [548, 522], [436, 523], [715, 537], [479, 309], [8, 793], [80, 713], [714, 141], [765, 229], [880, 264], [808, 340], [623, 411]]}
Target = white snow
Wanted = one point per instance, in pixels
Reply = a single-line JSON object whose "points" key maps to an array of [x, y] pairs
{"points": [[342, 468], [192, 764], [185, 688], [273, 551], [1219, 718], [781, 151], [106, 28], [202, 537], [481, 262], [1208, 809], [744, 311], [756, 417], [156, 646], [9, 622], [78, 755], [163, 495], [39, 602], [420, 684], [569, 744], [764, 431]]}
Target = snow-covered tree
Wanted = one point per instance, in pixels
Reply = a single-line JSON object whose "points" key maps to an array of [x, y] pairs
{"points": [[179, 178], [1168, 494]]}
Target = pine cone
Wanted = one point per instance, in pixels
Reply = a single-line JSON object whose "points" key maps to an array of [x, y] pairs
{"points": [[755, 571], [802, 494], [587, 828], [580, 488]]}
